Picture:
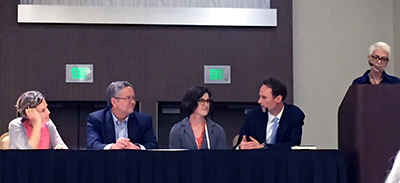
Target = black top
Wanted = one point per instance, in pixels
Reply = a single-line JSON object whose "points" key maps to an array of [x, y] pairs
{"points": [[386, 79]]}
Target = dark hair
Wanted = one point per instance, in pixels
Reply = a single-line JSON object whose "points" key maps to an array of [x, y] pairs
{"points": [[114, 88], [191, 98], [277, 87], [29, 99]]}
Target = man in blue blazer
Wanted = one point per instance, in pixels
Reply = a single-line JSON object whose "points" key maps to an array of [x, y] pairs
{"points": [[118, 126], [274, 123]]}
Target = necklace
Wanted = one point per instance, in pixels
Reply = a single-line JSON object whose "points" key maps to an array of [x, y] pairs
{"points": [[373, 79]]}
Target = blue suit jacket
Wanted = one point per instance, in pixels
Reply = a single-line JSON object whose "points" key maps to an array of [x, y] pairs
{"points": [[289, 130], [100, 129]]}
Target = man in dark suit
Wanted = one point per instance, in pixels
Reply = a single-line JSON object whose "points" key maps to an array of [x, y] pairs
{"points": [[275, 123], [118, 126]]}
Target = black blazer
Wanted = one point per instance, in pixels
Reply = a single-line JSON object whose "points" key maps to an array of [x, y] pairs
{"points": [[100, 129], [289, 130]]}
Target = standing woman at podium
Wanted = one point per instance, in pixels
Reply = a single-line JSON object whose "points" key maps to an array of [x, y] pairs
{"points": [[197, 131], [34, 129], [378, 59]]}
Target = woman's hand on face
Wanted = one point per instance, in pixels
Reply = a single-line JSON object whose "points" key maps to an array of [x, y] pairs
{"points": [[33, 115]]}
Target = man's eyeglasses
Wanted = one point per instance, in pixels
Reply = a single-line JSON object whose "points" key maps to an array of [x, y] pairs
{"points": [[376, 58], [128, 98], [203, 101]]}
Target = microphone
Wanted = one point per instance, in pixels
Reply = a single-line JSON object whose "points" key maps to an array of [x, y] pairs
{"points": [[371, 64]]}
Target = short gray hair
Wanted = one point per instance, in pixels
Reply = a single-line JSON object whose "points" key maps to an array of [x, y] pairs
{"points": [[382, 45], [29, 99], [114, 88]]}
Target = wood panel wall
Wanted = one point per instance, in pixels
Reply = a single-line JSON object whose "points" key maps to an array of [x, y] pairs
{"points": [[161, 62]]}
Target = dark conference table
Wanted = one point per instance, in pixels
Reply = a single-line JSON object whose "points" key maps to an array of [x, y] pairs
{"points": [[222, 166]]}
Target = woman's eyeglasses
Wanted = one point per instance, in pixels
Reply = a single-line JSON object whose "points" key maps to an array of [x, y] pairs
{"points": [[376, 58], [203, 101]]}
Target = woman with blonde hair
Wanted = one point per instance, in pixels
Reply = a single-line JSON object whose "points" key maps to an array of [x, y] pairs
{"points": [[33, 128]]}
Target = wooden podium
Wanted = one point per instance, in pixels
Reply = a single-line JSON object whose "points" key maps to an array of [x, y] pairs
{"points": [[369, 131]]}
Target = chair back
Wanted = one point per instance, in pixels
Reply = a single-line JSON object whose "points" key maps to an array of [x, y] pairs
{"points": [[4, 141]]}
